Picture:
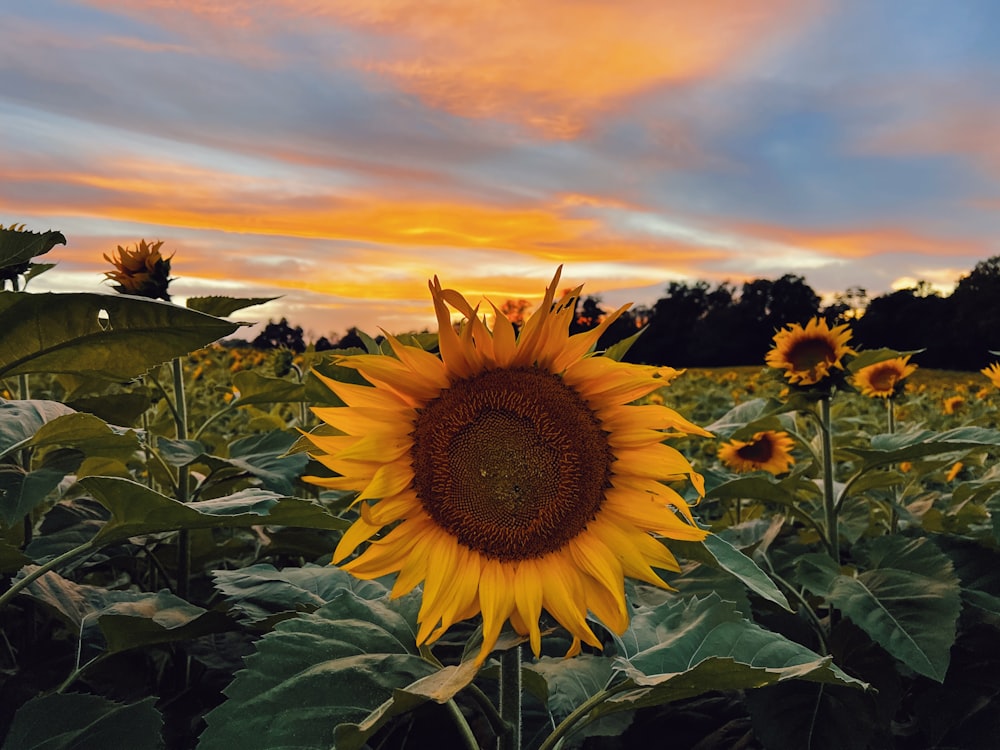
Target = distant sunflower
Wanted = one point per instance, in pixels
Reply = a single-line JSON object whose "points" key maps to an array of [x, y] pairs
{"points": [[510, 475], [881, 379], [952, 404], [769, 450], [808, 354], [141, 271], [993, 373]]}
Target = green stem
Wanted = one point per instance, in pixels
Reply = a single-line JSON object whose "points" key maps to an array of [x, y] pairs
{"points": [[579, 715], [890, 417], [23, 391], [183, 472], [468, 738], [487, 708], [829, 501], [224, 410], [510, 698], [797, 595], [55, 562]]}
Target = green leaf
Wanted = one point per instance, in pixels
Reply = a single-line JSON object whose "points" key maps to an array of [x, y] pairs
{"points": [[619, 349], [752, 416], [20, 420], [70, 721], [674, 637], [87, 434], [19, 246], [811, 716], [21, 493], [221, 307], [36, 269], [117, 337], [570, 682], [260, 592], [257, 389], [870, 357], [11, 558], [136, 510], [914, 444], [333, 667], [907, 601], [719, 553], [263, 456]]}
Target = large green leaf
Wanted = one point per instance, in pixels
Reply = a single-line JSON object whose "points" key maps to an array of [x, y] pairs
{"points": [[19, 246], [69, 721], [333, 667], [224, 306], [136, 509], [811, 716], [907, 599], [112, 336], [122, 619], [88, 434], [261, 592], [20, 420], [258, 389], [752, 416], [913, 444], [22, 492], [262, 456], [719, 553]]}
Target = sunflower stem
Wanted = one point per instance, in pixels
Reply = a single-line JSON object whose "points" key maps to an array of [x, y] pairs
{"points": [[579, 716], [183, 536], [468, 737], [829, 499], [890, 417], [510, 698]]}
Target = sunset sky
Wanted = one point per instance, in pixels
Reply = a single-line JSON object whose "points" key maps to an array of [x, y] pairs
{"points": [[340, 153]]}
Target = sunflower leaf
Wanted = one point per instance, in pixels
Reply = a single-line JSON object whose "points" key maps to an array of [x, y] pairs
{"points": [[316, 679], [684, 648], [136, 509], [718, 553], [914, 444], [221, 307], [907, 600], [84, 722], [257, 389], [115, 337], [18, 246]]}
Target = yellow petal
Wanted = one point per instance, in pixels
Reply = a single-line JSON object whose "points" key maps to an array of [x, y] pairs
{"points": [[496, 598]]}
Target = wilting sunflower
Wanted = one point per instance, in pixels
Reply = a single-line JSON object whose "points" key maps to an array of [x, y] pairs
{"points": [[141, 271], [993, 373], [808, 354], [510, 475], [881, 379], [769, 450]]}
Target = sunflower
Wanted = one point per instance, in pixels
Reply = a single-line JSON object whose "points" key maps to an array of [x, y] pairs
{"points": [[993, 373], [141, 271], [510, 475], [769, 450], [807, 354], [952, 404], [881, 379]]}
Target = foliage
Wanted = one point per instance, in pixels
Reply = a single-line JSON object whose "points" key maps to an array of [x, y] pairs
{"points": [[166, 578]]}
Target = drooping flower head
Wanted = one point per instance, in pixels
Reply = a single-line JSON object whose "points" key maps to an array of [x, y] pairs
{"points": [[883, 379], [141, 271], [769, 450], [993, 373], [510, 474], [808, 354]]}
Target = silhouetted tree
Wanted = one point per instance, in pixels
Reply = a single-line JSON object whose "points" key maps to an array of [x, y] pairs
{"points": [[351, 340], [906, 320], [280, 334], [975, 317]]}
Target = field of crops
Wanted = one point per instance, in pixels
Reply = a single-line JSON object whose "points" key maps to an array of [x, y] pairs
{"points": [[818, 570]]}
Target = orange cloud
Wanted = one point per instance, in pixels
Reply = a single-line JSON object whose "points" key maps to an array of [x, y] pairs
{"points": [[550, 66], [554, 65], [863, 242]]}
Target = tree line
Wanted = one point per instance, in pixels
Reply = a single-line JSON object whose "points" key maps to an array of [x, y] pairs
{"points": [[697, 325]]}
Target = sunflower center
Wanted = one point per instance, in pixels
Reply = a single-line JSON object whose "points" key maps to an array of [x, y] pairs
{"points": [[512, 462], [883, 379], [759, 451], [810, 352]]}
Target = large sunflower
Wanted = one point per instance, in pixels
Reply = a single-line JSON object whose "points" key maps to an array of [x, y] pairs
{"points": [[769, 450], [808, 354], [881, 379], [510, 475]]}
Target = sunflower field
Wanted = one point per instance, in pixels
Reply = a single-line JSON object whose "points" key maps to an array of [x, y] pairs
{"points": [[491, 536]]}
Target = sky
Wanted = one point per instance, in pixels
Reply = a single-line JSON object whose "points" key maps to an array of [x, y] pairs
{"points": [[338, 154]]}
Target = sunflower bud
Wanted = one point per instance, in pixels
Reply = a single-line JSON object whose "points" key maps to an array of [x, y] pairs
{"points": [[141, 272]]}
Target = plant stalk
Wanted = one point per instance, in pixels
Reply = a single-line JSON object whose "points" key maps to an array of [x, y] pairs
{"points": [[890, 416], [829, 500], [183, 472], [510, 698]]}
